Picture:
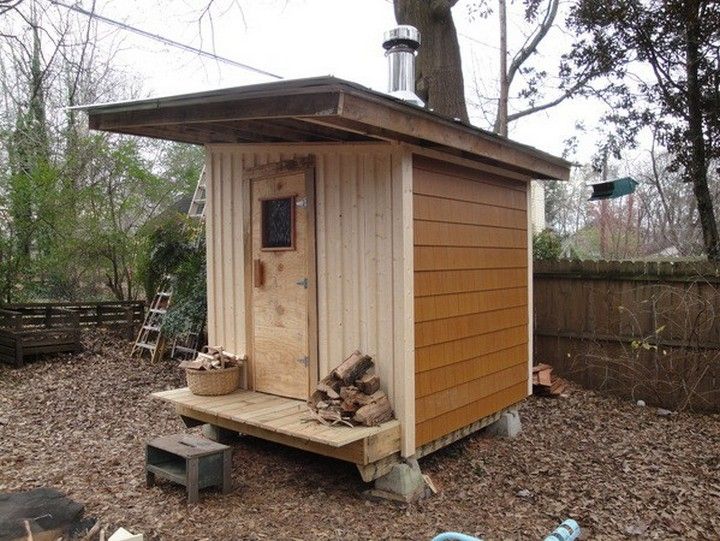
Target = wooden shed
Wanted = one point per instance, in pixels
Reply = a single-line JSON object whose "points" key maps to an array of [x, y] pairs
{"points": [[340, 218]]}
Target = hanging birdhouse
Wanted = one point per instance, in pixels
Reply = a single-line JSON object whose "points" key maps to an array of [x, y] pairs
{"points": [[613, 189]]}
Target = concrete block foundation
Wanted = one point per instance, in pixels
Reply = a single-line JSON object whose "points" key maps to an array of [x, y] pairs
{"points": [[507, 426], [403, 483], [219, 434]]}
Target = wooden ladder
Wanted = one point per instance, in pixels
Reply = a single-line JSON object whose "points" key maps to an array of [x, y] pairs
{"points": [[197, 205], [150, 336], [185, 347]]}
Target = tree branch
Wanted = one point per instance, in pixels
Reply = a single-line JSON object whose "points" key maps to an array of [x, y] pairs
{"points": [[7, 5], [552, 103], [532, 42]]}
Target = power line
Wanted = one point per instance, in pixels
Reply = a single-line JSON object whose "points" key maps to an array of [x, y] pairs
{"points": [[163, 39]]}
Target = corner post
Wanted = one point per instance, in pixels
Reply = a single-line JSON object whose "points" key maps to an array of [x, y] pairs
{"points": [[531, 312], [403, 297]]}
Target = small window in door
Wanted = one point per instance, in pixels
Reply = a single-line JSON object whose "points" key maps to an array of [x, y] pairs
{"points": [[278, 223]]}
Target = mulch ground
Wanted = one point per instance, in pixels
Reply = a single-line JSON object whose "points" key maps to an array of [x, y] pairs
{"points": [[79, 423]]}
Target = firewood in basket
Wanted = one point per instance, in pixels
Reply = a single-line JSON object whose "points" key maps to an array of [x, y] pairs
{"points": [[375, 413], [369, 383], [196, 365], [353, 368]]}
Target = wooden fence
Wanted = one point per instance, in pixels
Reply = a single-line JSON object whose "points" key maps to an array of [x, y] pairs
{"points": [[34, 328], [647, 331], [124, 315]]}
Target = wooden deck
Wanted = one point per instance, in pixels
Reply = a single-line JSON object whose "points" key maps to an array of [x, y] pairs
{"points": [[286, 421]]}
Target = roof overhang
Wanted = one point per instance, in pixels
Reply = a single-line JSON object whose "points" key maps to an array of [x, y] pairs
{"points": [[323, 109]]}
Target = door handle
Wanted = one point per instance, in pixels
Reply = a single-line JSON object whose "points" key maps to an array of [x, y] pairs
{"points": [[258, 273]]}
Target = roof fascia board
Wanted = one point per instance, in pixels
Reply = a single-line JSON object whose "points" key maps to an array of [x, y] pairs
{"points": [[296, 105], [419, 126], [311, 84]]}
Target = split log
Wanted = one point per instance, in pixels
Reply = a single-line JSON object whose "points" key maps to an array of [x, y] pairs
{"points": [[317, 398], [374, 413], [215, 359], [353, 368], [345, 395], [369, 383], [328, 390]]}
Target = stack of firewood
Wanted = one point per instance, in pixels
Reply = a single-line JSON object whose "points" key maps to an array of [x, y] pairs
{"points": [[215, 359], [351, 395]]}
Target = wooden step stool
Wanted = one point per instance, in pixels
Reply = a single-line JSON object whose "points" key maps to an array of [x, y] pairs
{"points": [[190, 461]]}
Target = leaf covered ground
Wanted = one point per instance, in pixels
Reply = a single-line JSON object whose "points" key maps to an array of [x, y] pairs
{"points": [[79, 423]]}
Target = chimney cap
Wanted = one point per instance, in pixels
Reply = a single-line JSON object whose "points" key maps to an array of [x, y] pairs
{"points": [[403, 34]]}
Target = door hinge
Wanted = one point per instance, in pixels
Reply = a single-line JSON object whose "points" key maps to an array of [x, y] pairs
{"points": [[301, 202], [303, 282], [305, 361]]}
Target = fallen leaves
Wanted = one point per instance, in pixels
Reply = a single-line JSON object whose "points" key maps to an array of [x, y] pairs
{"points": [[79, 423]]}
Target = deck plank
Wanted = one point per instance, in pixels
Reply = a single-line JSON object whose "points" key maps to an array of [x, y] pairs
{"points": [[275, 414], [267, 418]]}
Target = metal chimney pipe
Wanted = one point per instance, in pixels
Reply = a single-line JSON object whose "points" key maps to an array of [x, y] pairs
{"points": [[400, 44]]}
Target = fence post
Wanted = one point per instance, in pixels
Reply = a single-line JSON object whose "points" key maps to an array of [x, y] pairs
{"points": [[98, 314], [18, 340], [18, 322], [74, 320], [48, 316], [18, 352], [130, 323]]}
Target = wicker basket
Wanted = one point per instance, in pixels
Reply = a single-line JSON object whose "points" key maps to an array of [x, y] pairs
{"points": [[213, 382]]}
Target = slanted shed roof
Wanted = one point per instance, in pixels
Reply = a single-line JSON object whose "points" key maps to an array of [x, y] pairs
{"points": [[324, 109]]}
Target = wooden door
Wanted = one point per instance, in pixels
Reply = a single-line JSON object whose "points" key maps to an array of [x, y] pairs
{"points": [[282, 232]]}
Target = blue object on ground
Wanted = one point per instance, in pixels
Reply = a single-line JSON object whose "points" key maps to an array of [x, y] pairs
{"points": [[569, 530], [454, 536]]}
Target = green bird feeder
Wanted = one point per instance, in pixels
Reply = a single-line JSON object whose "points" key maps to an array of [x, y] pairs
{"points": [[613, 189]]}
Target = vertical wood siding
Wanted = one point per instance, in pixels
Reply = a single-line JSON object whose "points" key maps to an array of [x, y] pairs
{"points": [[471, 296], [359, 244]]}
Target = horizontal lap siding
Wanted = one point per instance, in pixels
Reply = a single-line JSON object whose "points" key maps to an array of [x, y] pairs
{"points": [[471, 296]]}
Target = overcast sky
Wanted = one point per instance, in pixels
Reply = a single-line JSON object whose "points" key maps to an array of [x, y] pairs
{"points": [[305, 38]]}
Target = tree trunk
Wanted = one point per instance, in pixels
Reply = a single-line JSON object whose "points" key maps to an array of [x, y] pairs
{"points": [[501, 121], [439, 77], [698, 165]]}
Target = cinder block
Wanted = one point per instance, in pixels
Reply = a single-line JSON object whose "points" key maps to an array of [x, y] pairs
{"points": [[219, 434], [404, 482], [507, 426]]}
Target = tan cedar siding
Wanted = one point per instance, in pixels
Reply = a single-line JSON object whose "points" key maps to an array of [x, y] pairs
{"points": [[362, 256], [471, 295]]}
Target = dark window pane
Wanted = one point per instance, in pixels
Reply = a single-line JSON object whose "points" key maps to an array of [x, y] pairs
{"points": [[277, 223]]}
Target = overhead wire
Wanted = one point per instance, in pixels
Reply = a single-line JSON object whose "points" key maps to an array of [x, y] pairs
{"points": [[163, 39]]}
